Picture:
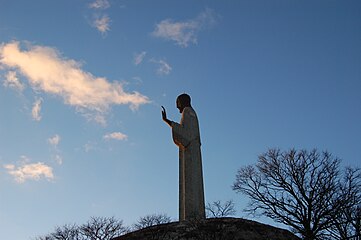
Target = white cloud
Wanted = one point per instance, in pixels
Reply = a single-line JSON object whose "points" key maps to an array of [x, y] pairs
{"points": [[47, 71], [186, 32], [138, 57], [54, 141], [163, 67], [102, 24], [100, 21], [89, 146], [35, 112], [32, 171], [182, 33], [58, 159], [100, 4], [116, 136], [12, 81]]}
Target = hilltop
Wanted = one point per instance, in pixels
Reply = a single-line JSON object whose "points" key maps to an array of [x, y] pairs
{"points": [[212, 229]]}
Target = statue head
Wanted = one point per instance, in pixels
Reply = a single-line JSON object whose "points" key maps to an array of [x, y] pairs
{"points": [[183, 100]]}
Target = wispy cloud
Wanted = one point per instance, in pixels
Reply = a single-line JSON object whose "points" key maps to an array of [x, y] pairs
{"points": [[24, 159], [35, 112], [101, 20], [47, 71], [89, 146], [31, 171], [102, 24], [12, 81], [100, 4], [58, 159], [163, 67], [115, 136], [186, 32], [54, 141], [137, 79], [138, 57]]}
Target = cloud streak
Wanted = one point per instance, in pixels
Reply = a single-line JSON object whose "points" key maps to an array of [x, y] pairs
{"points": [[115, 136], [35, 112], [138, 57], [100, 4], [32, 171], [100, 21], [186, 32], [12, 81], [58, 159], [163, 67], [47, 71], [102, 24], [54, 141]]}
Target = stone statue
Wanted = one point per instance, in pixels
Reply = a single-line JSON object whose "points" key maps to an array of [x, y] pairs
{"points": [[186, 136]]}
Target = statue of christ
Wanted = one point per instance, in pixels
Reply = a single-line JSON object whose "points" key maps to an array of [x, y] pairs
{"points": [[186, 136]]}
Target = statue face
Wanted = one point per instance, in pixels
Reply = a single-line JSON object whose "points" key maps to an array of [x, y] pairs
{"points": [[180, 106]]}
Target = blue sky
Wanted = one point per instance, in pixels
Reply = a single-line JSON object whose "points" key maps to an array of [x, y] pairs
{"points": [[82, 82]]}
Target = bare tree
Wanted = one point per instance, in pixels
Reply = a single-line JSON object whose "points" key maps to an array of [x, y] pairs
{"points": [[102, 228], [347, 222], [66, 232], [151, 220], [46, 237], [97, 228], [218, 209], [296, 188]]}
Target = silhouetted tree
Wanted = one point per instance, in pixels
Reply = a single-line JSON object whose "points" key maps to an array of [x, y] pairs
{"points": [[102, 228], [301, 189], [151, 220], [66, 232], [218, 209], [97, 228], [347, 222]]}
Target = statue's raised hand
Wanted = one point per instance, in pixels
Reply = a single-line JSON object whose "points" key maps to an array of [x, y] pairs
{"points": [[164, 117], [164, 114]]}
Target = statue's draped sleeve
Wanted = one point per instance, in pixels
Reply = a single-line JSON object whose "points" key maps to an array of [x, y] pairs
{"points": [[187, 130]]}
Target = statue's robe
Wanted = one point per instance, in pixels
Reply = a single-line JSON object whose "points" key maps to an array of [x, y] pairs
{"points": [[191, 193]]}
